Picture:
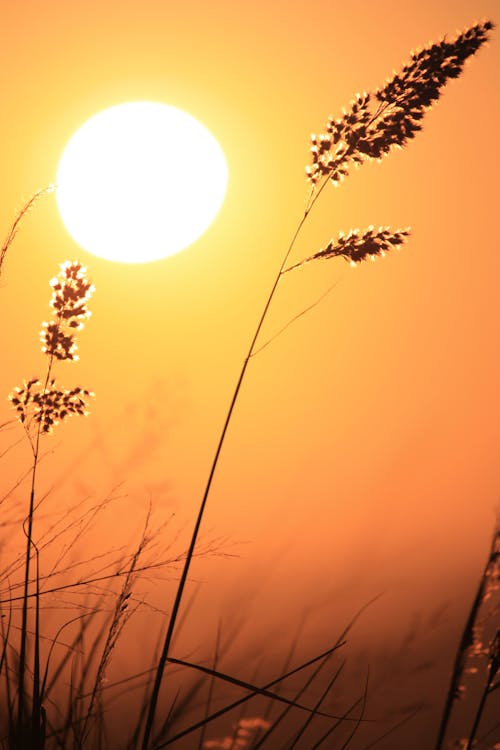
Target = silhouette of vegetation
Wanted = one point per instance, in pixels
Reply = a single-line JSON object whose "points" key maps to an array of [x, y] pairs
{"points": [[54, 688]]}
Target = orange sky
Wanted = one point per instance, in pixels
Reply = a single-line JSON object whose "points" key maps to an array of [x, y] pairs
{"points": [[363, 456]]}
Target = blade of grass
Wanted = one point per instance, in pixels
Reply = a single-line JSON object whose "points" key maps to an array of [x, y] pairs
{"points": [[298, 695], [362, 712], [338, 644], [392, 729], [253, 689], [315, 711]]}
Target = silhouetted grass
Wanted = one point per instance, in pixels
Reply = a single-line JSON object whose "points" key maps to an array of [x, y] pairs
{"points": [[54, 687]]}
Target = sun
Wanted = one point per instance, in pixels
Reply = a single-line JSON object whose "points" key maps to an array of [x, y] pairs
{"points": [[140, 181]]}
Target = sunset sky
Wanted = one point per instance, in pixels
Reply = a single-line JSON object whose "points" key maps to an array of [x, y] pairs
{"points": [[363, 454]]}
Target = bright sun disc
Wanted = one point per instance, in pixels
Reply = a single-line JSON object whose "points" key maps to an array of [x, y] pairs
{"points": [[140, 181]]}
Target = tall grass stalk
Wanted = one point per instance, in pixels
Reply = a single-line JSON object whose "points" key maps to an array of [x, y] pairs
{"points": [[374, 125], [40, 408]]}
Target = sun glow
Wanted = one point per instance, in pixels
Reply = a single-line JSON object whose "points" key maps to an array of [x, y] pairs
{"points": [[140, 181]]}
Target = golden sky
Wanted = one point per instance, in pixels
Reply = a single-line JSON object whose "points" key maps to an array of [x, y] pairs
{"points": [[363, 454]]}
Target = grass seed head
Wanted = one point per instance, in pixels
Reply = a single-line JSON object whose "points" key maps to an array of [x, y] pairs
{"points": [[47, 405], [71, 292], [374, 124], [357, 246]]}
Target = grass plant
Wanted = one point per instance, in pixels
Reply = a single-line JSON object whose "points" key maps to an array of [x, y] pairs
{"points": [[373, 125], [36, 716]]}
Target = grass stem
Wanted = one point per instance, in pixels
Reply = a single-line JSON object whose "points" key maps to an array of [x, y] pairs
{"points": [[189, 556]]}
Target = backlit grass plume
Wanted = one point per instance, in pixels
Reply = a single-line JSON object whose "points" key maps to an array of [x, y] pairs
{"points": [[392, 115], [357, 246], [375, 124], [46, 405], [40, 406]]}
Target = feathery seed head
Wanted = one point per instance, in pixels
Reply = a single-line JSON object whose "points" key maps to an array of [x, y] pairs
{"points": [[71, 291], [358, 246], [375, 124], [48, 405], [55, 343]]}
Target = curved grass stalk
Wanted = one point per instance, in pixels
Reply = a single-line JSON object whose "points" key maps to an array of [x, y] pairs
{"points": [[39, 408], [15, 224], [190, 553], [375, 125]]}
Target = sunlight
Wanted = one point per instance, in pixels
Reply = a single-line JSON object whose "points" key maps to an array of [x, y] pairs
{"points": [[140, 181]]}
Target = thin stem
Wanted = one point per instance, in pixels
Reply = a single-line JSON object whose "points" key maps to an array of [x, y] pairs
{"points": [[36, 710], [296, 317], [29, 537], [182, 582], [22, 657], [15, 225]]}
